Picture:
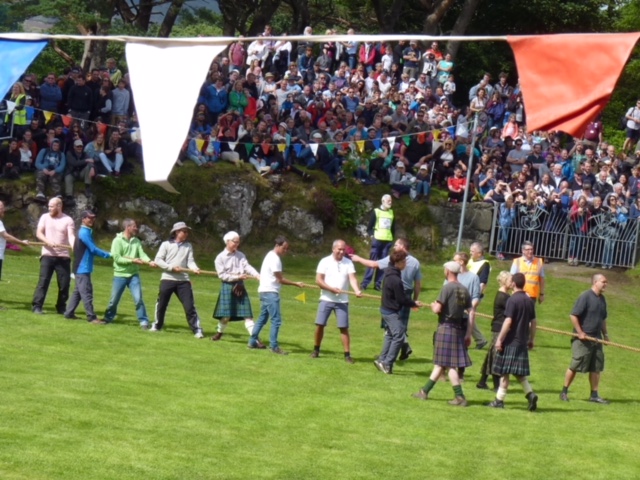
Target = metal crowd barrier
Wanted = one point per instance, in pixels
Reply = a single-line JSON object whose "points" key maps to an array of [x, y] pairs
{"points": [[603, 241]]}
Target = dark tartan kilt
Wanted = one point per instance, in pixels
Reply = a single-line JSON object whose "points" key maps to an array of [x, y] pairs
{"points": [[512, 360], [491, 355], [449, 349], [232, 307]]}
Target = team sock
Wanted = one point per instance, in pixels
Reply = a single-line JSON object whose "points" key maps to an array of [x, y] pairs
{"points": [[429, 386], [525, 386], [346, 354], [565, 390], [457, 389], [594, 393], [502, 394]]}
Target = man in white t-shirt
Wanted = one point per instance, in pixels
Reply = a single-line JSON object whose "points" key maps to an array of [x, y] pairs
{"points": [[4, 236], [271, 279], [333, 276]]}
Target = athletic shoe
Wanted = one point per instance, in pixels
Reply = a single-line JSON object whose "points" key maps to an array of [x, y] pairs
{"points": [[599, 400], [144, 326], [564, 397], [533, 402], [495, 404], [37, 311], [199, 335], [482, 386], [279, 351], [422, 395], [154, 329], [315, 354], [349, 360], [97, 321], [481, 345], [258, 345], [71, 317], [458, 402], [382, 367]]}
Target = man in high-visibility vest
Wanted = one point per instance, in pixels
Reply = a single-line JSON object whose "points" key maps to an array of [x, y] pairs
{"points": [[533, 270], [381, 228]]}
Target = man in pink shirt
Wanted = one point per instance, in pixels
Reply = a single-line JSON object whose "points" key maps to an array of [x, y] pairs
{"points": [[57, 231]]}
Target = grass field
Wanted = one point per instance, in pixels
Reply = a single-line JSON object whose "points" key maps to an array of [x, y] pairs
{"points": [[79, 401]]}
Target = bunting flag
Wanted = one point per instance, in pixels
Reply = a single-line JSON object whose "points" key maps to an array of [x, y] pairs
{"points": [[199, 144], [30, 112], [288, 139], [67, 120], [407, 140], [314, 148], [360, 145], [48, 115], [392, 142], [452, 131], [422, 138], [298, 148], [249, 148], [265, 147], [216, 147], [436, 145], [376, 143], [232, 145], [11, 106], [331, 147], [436, 134], [15, 58], [102, 128], [302, 297], [558, 92], [282, 147], [179, 91]]}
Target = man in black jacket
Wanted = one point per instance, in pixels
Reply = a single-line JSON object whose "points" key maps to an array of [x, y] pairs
{"points": [[80, 99], [394, 299]]}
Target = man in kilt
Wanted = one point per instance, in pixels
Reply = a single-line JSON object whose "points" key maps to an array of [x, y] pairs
{"points": [[514, 342], [233, 301], [452, 337]]}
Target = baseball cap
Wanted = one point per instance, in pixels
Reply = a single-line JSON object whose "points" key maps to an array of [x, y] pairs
{"points": [[317, 135], [87, 214], [423, 167], [78, 143], [399, 164]]}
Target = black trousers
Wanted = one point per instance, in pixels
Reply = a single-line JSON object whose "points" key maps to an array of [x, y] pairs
{"points": [[84, 292], [62, 267], [184, 293]]}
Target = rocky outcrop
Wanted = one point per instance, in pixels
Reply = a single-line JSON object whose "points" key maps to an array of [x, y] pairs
{"points": [[476, 228], [302, 225], [236, 206], [160, 213]]}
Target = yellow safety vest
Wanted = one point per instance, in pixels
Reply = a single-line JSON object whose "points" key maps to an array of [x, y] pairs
{"points": [[531, 273], [475, 267], [19, 116], [382, 229]]}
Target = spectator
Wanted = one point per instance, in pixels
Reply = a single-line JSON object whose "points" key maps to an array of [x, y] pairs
{"points": [[10, 160], [114, 73], [121, 101], [402, 182], [80, 100], [456, 185], [50, 166], [50, 94], [80, 166]]}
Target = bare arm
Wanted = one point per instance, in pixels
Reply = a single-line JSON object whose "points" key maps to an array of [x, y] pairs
{"points": [[12, 239], [417, 288], [364, 261], [283, 281], [575, 321], [354, 284], [506, 326], [532, 333], [323, 285]]}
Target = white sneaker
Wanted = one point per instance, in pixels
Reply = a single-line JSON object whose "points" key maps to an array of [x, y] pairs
{"points": [[199, 335], [154, 329]]}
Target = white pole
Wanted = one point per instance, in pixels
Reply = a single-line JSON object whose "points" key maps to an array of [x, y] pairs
{"points": [[466, 189]]}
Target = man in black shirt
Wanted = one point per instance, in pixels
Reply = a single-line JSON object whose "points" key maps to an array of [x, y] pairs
{"points": [[589, 319]]}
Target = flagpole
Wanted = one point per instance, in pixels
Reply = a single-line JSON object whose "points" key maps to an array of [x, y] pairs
{"points": [[466, 189]]}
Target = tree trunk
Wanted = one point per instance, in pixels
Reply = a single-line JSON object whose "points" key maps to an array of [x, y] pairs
{"points": [[387, 17], [462, 23], [170, 18], [435, 14], [263, 16]]}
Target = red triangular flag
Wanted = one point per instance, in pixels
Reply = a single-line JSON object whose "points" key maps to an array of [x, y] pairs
{"points": [[265, 148], [559, 92]]}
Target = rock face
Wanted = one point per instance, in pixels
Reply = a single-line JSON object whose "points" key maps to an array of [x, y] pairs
{"points": [[161, 213], [477, 223], [302, 225], [236, 204], [148, 237]]}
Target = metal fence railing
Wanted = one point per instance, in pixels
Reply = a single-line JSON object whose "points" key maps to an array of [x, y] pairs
{"points": [[603, 240]]}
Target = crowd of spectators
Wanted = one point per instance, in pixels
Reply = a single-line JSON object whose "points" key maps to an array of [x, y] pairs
{"points": [[374, 112]]}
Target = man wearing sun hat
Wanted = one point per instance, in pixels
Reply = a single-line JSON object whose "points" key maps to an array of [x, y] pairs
{"points": [[84, 249], [175, 258]]}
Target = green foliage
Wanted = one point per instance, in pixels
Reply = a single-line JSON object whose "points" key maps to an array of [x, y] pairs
{"points": [[349, 207], [200, 22]]}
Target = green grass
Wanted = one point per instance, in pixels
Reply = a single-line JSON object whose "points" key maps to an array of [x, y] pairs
{"points": [[79, 401]]}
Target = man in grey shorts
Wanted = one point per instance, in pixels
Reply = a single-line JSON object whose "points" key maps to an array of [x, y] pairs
{"points": [[333, 276], [589, 319]]}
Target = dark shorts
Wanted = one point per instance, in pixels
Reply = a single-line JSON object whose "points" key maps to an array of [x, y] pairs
{"points": [[324, 312], [633, 134], [586, 357]]}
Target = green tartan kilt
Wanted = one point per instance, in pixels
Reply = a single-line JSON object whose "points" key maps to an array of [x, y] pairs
{"points": [[232, 307]]}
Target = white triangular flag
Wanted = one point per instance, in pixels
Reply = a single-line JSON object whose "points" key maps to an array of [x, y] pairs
{"points": [[314, 148], [10, 106], [232, 145], [392, 142], [179, 92], [435, 146]]}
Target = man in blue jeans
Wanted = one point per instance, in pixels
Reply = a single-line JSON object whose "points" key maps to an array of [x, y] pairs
{"points": [[128, 255], [271, 279]]}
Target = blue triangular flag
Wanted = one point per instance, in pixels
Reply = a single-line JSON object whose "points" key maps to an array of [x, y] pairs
{"points": [[15, 58], [298, 148], [376, 143]]}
